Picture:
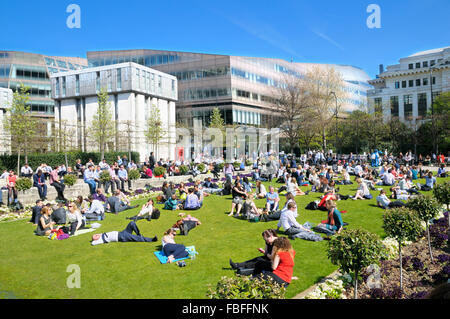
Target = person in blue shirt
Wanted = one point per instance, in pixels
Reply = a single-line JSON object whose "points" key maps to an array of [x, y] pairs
{"points": [[272, 200], [192, 202], [441, 171], [123, 176], [430, 180], [89, 175]]}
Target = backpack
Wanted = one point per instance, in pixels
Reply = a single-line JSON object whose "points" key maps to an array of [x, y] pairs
{"points": [[312, 206], [156, 213]]}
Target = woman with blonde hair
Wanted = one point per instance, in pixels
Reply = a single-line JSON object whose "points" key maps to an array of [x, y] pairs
{"points": [[45, 224], [282, 262], [171, 249]]}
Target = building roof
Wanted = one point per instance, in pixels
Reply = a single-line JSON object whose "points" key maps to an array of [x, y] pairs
{"points": [[429, 52]]}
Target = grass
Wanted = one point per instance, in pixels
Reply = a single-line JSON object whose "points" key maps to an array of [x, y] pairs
{"points": [[35, 267]]}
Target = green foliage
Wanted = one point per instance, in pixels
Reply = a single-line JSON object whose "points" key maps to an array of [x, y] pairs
{"points": [[134, 174], [23, 184], [402, 224], [183, 169], [70, 179], [246, 287], [442, 193], [154, 131], [221, 166], [425, 206], [159, 171], [236, 165], [201, 167], [354, 249], [103, 128], [105, 176], [248, 162]]}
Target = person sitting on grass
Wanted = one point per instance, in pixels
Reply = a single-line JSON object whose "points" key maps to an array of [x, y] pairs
{"points": [[239, 195], [384, 202], [36, 212], [441, 171], [282, 262], [148, 211], [99, 195], [256, 265], [171, 203], [277, 214], [124, 236], [192, 201], [430, 180], [273, 200], [334, 223], [292, 228], [249, 208], [363, 191], [171, 249], [115, 205], [261, 191], [96, 210], [45, 225], [293, 188], [74, 219]]}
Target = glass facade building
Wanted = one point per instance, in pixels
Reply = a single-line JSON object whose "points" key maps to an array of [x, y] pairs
{"points": [[243, 88]]}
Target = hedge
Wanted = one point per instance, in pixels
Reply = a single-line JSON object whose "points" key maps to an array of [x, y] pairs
{"points": [[55, 159]]}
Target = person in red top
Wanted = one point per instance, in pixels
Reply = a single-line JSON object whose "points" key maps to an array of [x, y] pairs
{"points": [[282, 262], [11, 184]]}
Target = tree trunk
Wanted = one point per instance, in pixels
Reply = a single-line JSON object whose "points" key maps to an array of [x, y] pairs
{"points": [[401, 269], [65, 157], [429, 242], [18, 161], [355, 295]]}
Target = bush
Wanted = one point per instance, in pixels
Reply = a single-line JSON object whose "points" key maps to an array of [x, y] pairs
{"points": [[159, 171], [105, 176], [201, 167], [70, 179], [183, 169], [442, 193], [425, 206], [248, 163], [221, 166], [353, 250], [236, 165], [23, 184], [246, 287], [134, 174]]}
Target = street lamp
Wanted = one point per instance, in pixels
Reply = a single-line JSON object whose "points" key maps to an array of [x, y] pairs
{"points": [[336, 115]]}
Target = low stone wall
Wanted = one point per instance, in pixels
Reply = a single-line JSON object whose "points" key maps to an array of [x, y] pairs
{"points": [[81, 188]]}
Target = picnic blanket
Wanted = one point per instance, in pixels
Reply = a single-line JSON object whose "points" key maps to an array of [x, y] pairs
{"points": [[84, 231], [163, 258]]}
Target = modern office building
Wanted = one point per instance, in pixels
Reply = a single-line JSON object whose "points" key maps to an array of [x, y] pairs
{"points": [[406, 90], [132, 90], [34, 71], [6, 97], [241, 87]]}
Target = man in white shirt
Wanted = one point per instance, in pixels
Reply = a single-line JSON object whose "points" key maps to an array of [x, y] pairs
{"points": [[288, 221], [388, 179], [96, 211], [124, 236], [26, 171]]}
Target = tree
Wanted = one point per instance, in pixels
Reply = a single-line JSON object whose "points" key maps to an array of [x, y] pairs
{"points": [[440, 117], [154, 131], [18, 122], [126, 136], [291, 101], [427, 208], [321, 81], [353, 250], [442, 194], [65, 136], [403, 225], [103, 128], [217, 122]]}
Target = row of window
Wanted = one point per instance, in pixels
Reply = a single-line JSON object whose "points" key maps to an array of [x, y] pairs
{"points": [[147, 60], [4, 70], [63, 64], [200, 74], [31, 74], [199, 94], [416, 82], [407, 104], [423, 64]]}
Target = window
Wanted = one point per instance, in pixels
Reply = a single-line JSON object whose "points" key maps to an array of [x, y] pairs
{"points": [[411, 66], [418, 65], [394, 106], [422, 104], [119, 79], [403, 84], [173, 85], [397, 85], [407, 104], [425, 64], [63, 86], [77, 84], [433, 80], [411, 83], [57, 87], [378, 103], [418, 82], [432, 62], [97, 80], [425, 81]]}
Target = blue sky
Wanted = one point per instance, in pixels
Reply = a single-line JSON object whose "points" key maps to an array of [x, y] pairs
{"points": [[306, 31]]}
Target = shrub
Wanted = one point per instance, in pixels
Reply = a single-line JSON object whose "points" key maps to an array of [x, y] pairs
{"points": [[23, 183], [134, 174], [236, 165], [70, 179], [221, 166], [201, 167], [183, 169], [105, 176], [159, 171], [442, 193], [248, 162], [246, 287], [353, 250]]}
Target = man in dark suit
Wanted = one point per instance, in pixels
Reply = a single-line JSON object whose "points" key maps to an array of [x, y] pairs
{"points": [[151, 161], [39, 182], [115, 205]]}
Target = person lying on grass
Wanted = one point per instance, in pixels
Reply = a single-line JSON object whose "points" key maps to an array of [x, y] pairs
{"points": [[171, 249], [124, 236], [384, 202], [148, 211], [185, 224]]}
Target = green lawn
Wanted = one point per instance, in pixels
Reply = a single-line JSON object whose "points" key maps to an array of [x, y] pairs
{"points": [[35, 267]]}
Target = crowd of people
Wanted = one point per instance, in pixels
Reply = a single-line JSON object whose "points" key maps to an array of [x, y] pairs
{"points": [[320, 173]]}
